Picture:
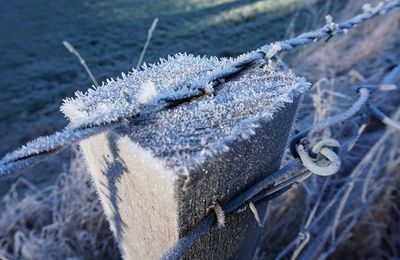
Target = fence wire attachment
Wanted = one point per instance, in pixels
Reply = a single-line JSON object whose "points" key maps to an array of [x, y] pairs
{"points": [[324, 143], [364, 94], [332, 27], [219, 214], [329, 165]]}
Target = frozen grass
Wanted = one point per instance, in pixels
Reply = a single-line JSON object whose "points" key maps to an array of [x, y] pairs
{"points": [[355, 213], [63, 221]]}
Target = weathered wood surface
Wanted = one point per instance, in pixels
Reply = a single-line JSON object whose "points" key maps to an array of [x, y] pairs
{"points": [[158, 176], [149, 209]]}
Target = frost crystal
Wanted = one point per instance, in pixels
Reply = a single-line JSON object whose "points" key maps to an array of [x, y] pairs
{"points": [[187, 134], [147, 92], [329, 23]]}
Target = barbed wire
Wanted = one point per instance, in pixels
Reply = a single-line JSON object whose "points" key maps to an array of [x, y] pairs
{"points": [[22, 158]]}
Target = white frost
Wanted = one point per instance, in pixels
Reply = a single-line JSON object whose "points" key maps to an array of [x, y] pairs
{"points": [[147, 92], [181, 134]]}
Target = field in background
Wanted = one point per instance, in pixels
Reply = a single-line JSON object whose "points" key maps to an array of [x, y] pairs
{"points": [[111, 42]]}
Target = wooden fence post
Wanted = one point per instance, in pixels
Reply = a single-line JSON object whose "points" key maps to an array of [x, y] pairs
{"points": [[157, 178]]}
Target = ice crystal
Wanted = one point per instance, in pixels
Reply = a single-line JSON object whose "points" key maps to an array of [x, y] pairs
{"points": [[195, 130], [147, 92], [368, 8]]}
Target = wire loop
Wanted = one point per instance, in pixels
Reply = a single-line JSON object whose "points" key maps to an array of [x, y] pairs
{"points": [[364, 94], [322, 147]]}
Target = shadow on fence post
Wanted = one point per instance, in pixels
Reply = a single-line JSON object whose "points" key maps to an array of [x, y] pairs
{"points": [[158, 178]]}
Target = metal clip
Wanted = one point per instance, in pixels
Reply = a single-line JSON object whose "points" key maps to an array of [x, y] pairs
{"points": [[321, 147]]}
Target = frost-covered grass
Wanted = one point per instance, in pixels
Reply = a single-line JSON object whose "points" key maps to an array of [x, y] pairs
{"points": [[355, 213], [62, 221]]}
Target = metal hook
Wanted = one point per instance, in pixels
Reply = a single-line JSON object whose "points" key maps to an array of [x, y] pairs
{"points": [[321, 148], [321, 144]]}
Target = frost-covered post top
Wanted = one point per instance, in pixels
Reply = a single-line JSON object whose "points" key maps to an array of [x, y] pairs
{"points": [[187, 134]]}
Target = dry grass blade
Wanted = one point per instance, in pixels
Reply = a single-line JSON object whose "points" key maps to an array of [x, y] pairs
{"points": [[146, 45], [72, 50]]}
